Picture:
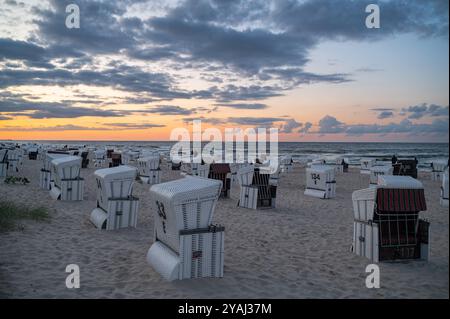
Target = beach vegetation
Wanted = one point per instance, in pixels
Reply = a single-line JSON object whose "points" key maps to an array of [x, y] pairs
{"points": [[11, 215]]}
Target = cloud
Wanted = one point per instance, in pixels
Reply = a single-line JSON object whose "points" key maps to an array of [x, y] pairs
{"points": [[169, 110], [426, 110], [17, 106], [330, 125], [247, 106], [385, 114], [306, 127], [71, 127], [135, 126], [290, 125]]}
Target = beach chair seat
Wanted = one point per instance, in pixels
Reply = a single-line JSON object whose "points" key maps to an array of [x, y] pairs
{"points": [[116, 206], [221, 172], [379, 170], [186, 243], [366, 165], [444, 189], [67, 184], [386, 220], [320, 181], [149, 170], [438, 168]]}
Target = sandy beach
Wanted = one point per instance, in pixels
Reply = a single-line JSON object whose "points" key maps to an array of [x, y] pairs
{"points": [[301, 249]]}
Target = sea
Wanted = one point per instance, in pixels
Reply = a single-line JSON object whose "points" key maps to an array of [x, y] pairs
{"points": [[425, 153]]}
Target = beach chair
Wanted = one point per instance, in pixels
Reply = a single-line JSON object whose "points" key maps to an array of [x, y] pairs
{"points": [[130, 156], [84, 159], [366, 165], [32, 153], [407, 167], [221, 172], [67, 184], [386, 220], [438, 169], [195, 169], [286, 164], [149, 170], [186, 243], [116, 159], [337, 162], [379, 170], [99, 158], [320, 181], [3, 163], [116, 206], [46, 177], [13, 160], [444, 189], [258, 188]]}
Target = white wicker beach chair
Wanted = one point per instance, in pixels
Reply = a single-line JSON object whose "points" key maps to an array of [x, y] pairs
{"points": [[186, 244], [195, 169], [99, 158], [3, 163], [444, 189], [376, 171], [258, 186], [14, 160], [366, 165], [386, 220], [46, 176], [286, 164], [67, 184], [336, 162], [320, 181], [438, 169], [149, 171], [116, 206]]}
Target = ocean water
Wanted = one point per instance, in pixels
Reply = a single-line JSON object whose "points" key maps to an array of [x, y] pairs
{"points": [[303, 151]]}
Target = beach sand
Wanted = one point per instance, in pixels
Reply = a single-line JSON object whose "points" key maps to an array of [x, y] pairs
{"points": [[301, 249]]}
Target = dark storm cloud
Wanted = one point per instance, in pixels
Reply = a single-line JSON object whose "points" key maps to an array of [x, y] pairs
{"points": [[17, 106], [270, 41], [343, 19]]}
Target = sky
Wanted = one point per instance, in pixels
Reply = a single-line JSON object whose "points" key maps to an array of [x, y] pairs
{"points": [[136, 70]]}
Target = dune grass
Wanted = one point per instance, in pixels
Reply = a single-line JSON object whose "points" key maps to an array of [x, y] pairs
{"points": [[11, 214]]}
